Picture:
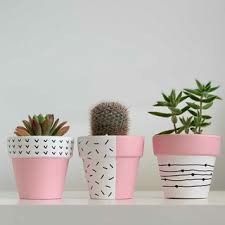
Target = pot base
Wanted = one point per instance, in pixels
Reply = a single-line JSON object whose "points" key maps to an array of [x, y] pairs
{"points": [[40, 178], [186, 177]]}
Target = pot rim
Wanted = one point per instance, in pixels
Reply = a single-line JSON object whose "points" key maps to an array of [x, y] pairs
{"points": [[186, 144], [10, 137], [134, 136], [190, 135]]}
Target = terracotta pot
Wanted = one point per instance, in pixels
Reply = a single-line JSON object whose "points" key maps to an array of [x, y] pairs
{"points": [[40, 165], [111, 164], [186, 163]]}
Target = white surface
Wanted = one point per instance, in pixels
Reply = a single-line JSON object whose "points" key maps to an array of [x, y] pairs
{"points": [[146, 207], [64, 56]]}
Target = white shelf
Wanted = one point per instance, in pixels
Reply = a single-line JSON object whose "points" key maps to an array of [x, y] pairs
{"points": [[145, 208]]}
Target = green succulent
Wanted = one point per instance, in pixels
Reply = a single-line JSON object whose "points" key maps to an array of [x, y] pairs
{"points": [[40, 125], [202, 99]]}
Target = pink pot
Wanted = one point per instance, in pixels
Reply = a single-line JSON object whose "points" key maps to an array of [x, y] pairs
{"points": [[186, 163], [40, 165], [110, 164]]}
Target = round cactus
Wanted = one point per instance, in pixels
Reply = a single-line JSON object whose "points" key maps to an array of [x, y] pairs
{"points": [[109, 118]]}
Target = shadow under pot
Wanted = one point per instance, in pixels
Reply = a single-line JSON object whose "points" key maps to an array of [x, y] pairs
{"points": [[186, 163], [40, 165], [111, 164]]}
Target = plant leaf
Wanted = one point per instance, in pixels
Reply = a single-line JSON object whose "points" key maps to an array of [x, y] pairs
{"points": [[161, 114], [165, 97], [185, 109], [200, 86], [213, 89], [206, 117], [62, 131], [193, 97], [36, 127], [195, 91], [159, 103], [58, 128], [28, 126], [207, 106], [166, 132], [192, 112], [193, 105]]}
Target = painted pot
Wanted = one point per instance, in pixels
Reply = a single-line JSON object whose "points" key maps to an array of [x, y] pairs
{"points": [[186, 163], [111, 164], [40, 165]]}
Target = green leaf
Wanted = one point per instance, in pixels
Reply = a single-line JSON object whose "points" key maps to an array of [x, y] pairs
{"points": [[210, 99], [193, 97], [166, 132], [213, 89], [206, 117], [181, 129], [175, 110], [193, 105], [195, 91], [173, 95], [200, 86], [41, 118], [185, 109], [205, 124], [192, 112], [207, 106], [183, 98], [208, 85], [165, 97], [161, 114], [159, 103], [179, 97]]}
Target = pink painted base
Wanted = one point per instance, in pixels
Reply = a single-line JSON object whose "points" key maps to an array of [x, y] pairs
{"points": [[129, 149], [40, 178], [126, 177]]}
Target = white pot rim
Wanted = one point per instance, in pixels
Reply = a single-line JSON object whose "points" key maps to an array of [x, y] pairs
{"points": [[40, 147], [104, 136]]}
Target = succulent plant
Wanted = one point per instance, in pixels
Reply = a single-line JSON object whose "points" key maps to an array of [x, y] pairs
{"points": [[202, 99], [40, 125], [109, 118]]}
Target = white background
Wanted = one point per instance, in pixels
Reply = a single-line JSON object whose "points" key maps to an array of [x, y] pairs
{"points": [[65, 56]]}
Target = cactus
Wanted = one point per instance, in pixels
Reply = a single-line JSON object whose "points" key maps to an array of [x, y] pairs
{"points": [[109, 118], [42, 126]]}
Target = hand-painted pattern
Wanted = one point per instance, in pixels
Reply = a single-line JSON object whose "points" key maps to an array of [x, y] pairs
{"points": [[179, 173], [27, 147], [98, 154]]}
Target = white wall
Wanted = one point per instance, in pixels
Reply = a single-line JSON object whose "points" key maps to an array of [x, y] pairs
{"points": [[64, 56]]}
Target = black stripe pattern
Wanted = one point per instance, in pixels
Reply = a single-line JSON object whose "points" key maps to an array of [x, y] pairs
{"points": [[186, 175]]}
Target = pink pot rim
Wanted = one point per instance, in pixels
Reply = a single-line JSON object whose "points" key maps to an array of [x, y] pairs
{"points": [[186, 144]]}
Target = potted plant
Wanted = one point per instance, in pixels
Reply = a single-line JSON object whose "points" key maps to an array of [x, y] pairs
{"points": [[40, 157], [186, 157], [110, 156]]}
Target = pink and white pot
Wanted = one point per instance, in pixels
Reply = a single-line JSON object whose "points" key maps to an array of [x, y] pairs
{"points": [[111, 164], [186, 163], [40, 165]]}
